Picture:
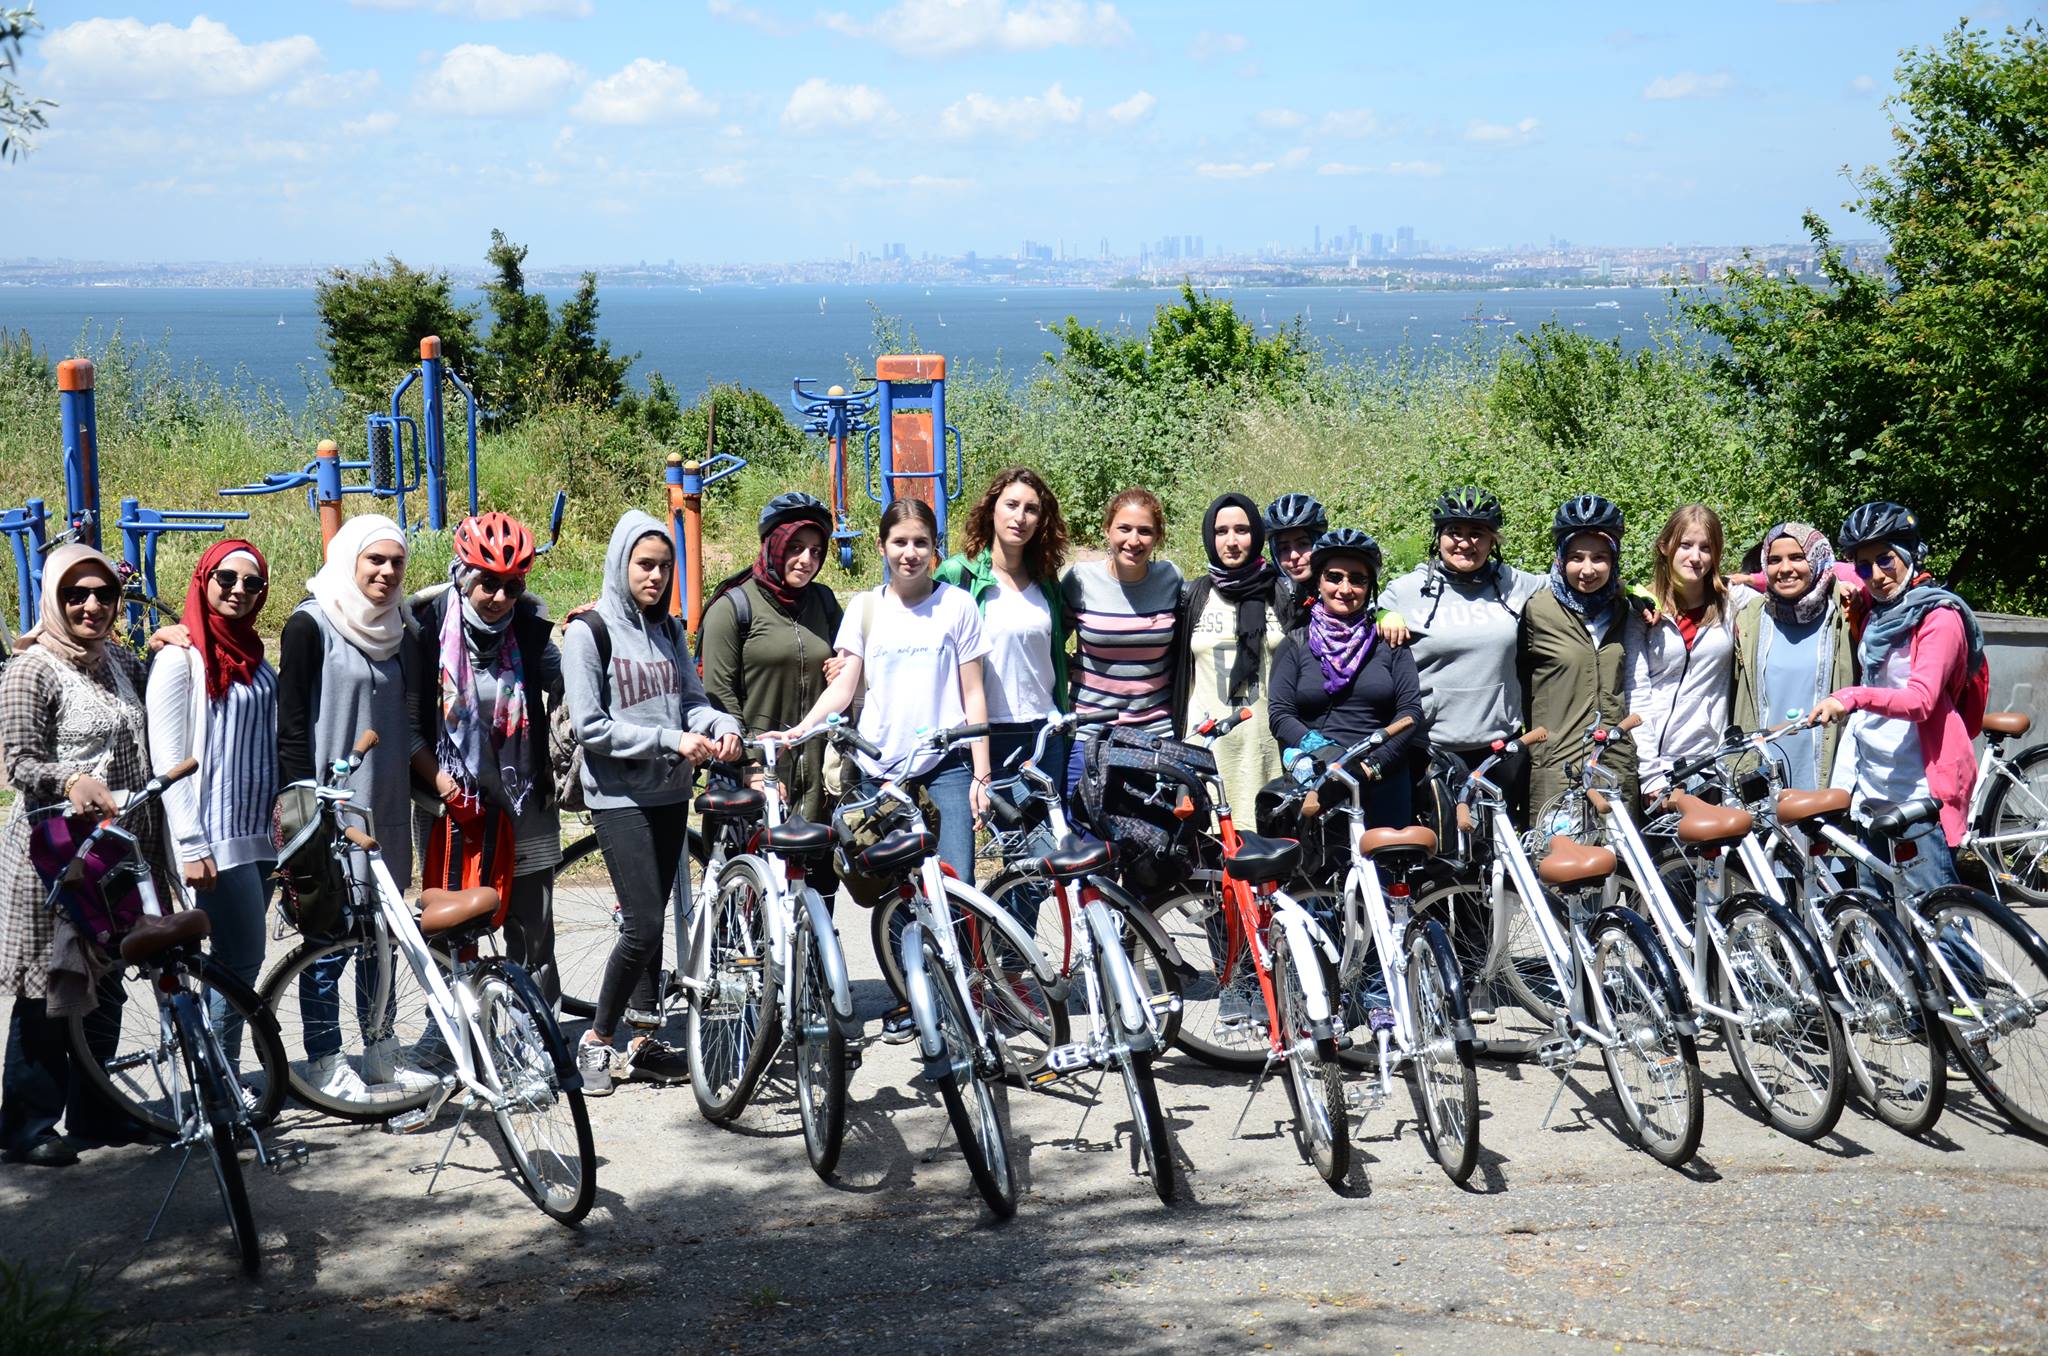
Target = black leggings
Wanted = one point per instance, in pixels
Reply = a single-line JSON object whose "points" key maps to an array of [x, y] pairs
{"points": [[643, 850]]}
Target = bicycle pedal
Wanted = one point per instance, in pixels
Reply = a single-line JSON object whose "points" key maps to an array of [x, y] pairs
{"points": [[1554, 1053], [282, 1156], [1380, 1019], [409, 1122], [1164, 1002]]}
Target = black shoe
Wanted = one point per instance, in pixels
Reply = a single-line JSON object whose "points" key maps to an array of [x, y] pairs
{"points": [[44, 1153], [899, 1026], [652, 1062]]}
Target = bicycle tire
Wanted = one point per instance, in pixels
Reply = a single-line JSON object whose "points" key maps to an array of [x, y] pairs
{"points": [[2008, 1063], [2020, 867], [818, 1052], [1153, 1149], [1441, 1074], [418, 1035], [734, 1021], [544, 1127], [1897, 1053], [1666, 1114], [1464, 908], [1315, 1084], [587, 919], [1193, 923], [973, 1103], [1524, 964], [131, 1076], [215, 1125], [1801, 1082]]}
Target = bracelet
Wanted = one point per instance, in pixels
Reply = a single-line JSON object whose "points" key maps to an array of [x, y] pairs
{"points": [[71, 781]]}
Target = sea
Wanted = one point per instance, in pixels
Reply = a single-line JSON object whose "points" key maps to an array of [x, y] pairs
{"points": [[765, 337]]}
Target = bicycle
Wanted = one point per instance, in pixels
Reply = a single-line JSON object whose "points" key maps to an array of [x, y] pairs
{"points": [[1093, 930], [480, 1021], [765, 969], [588, 921], [2008, 811], [1417, 1013], [1611, 985], [964, 1055], [201, 1103]]}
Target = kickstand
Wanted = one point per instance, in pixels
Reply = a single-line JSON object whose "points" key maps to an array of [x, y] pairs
{"points": [[1252, 1096], [176, 1177], [1563, 1072], [460, 1120]]}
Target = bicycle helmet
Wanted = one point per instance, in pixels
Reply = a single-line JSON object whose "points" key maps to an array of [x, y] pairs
{"points": [[791, 507], [1882, 521], [496, 543], [1346, 541], [1467, 504], [1586, 513], [1291, 511]]}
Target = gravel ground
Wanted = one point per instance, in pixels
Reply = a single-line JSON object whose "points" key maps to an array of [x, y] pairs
{"points": [[721, 1239]]}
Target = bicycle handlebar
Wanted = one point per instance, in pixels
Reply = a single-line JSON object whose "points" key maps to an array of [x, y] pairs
{"points": [[358, 837], [1215, 727], [74, 871]]}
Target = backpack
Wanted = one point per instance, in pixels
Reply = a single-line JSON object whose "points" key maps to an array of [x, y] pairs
{"points": [[1974, 698], [565, 751], [842, 773], [1131, 783]]}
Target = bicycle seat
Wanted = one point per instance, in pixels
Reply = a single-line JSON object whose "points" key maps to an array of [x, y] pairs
{"points": [[731, 802], [1568, 862], [897, 853], [797, 837], [1704, 825], [1796, 807], [1417, 839], [1263, 861], [2006, 724], [1891, 818], [1076, 856], [445, 910], [153, 935]]}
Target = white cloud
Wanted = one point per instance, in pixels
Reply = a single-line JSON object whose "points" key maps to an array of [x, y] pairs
{"points": [[723, 176], [477, 80], [331, 91], [818, 105], [1400, 169], [940, 28], [1502, 133], [1206, 45], [1863, 84], [749, 17], [379, 124], [643, 92], [1689, 85], [865, 180], [1297, 156], [1349, 122], [489, 10], [1234, 169], [1278, 119], [1137, 108], [1022, 119], [126, 58]]}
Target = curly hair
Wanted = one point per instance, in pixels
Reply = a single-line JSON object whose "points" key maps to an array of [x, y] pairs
{"points": [[1136, 497], [1046, 553]]}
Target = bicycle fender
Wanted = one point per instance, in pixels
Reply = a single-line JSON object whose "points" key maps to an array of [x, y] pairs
{"points": [[991, 912], [1645, 938], [1320, 1014], [1895, 932], [1809, 951], [515, 975], [1454, 982], [833, 959], [1147, 922], [917, 987], [239, 994], [1110, 960]]}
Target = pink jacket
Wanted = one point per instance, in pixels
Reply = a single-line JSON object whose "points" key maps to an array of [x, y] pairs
{"points": [[1939, 650]]}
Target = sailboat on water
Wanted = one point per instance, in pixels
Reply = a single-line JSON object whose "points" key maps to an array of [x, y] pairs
{"points": [[280, 317]]}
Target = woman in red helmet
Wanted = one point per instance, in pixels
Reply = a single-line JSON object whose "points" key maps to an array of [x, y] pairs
{"points": [[489, 671]]}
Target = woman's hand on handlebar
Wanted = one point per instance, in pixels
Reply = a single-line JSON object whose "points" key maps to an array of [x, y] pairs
{"points": [[1827, 712], [89, 796]]}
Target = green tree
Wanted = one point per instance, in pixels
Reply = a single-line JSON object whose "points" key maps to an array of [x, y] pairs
{"points": [[1200, 340], [372, 321], [579, 365], [1925, 385], [21, 116], [533, 358]]}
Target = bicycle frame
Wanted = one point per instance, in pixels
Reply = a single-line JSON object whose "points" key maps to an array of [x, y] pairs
{"points": [[1991, 763], [790, 894]]}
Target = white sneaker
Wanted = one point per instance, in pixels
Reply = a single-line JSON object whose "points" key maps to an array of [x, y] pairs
{"points": [[332, 1077], [382, 1064]]}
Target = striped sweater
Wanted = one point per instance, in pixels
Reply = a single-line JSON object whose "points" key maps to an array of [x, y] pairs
{"points": [[1124, 634]]}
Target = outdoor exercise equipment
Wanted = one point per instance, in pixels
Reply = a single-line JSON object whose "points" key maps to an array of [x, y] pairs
{"points": [[910, 400], [837, 416], [401, 456], [687, 481]]}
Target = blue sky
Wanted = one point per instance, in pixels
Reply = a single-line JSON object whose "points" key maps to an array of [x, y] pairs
{"points": [[600, 131]]}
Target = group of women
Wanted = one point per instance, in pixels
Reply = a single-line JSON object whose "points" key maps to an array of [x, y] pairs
{"points": [[1291, 617]]}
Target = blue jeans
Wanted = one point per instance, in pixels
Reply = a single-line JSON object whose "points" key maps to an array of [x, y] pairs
{"points": [[236, 906], [949, 785], [1932, 866], [320, 998]]}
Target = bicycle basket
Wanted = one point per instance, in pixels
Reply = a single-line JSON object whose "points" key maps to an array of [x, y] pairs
{"points": [[314, 889], [106, 899], [1149, 795]]}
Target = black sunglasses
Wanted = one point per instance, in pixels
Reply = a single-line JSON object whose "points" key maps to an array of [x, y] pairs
{"points": [[1884, 560], [491, 583], [106, 595], [227, 579], [1355, 578]]}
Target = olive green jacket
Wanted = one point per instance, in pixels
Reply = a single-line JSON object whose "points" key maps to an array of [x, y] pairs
{"points": [[1752, 648], [1569, 685], [772, 676]]}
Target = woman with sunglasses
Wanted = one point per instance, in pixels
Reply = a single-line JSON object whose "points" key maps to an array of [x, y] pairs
{"points": [[496, 673], [214, 698], [75, 731], [1793, 647]]}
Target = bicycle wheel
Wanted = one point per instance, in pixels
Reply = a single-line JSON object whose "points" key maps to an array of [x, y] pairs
{"points": [[545, 1127], [325, 992], [587, 924], [1148, 1122], [1445, 1084], [734, 1023], [1232, 1039], [2003, 966], [1465, 910], [215, 1110], [1653, 1066], [1315, 1085], [2019, 805], [124, 1054], [1896, 1053], [1524, 964], [818, 1049], [1001, 981], [971, 1090], [1791, 1056]]}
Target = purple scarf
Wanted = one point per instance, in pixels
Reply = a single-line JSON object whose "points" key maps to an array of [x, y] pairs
{"points": [[1340, 646]]}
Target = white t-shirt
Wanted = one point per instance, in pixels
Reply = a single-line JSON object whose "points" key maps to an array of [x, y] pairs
{"points": [[1880, 755], [911, 668], [1018, 676]]}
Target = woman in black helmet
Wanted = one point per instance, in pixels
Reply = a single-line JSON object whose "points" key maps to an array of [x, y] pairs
{"points": [[1573, 648], [1293, 522], [767, 637]]}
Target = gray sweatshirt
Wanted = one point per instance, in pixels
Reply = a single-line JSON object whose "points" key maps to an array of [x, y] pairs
{"points": [[1464, 641], [630, 744]]}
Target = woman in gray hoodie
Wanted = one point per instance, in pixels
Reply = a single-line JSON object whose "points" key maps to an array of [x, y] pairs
{"points": [[646, 727]]}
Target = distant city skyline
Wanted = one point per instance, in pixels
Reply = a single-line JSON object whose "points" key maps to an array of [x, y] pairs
{"points": [[730, 133]]}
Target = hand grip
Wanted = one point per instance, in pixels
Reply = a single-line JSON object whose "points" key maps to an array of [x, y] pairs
{"points": [[365, 742], [180, 772], [1529, 739], [846, 734], [359, 838], [963, 732], [1096, 718], [1597, 801], [1630, 722], [1401, 726]]}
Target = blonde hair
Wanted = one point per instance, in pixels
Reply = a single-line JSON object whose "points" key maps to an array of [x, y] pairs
{"points": [[1662, 582]]}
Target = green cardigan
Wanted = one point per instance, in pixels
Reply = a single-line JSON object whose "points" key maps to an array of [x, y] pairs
{"points": [[1840, 648], [978, 577]]}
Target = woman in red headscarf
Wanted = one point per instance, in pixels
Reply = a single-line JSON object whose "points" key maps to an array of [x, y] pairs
{"points": [[215, 699]]}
